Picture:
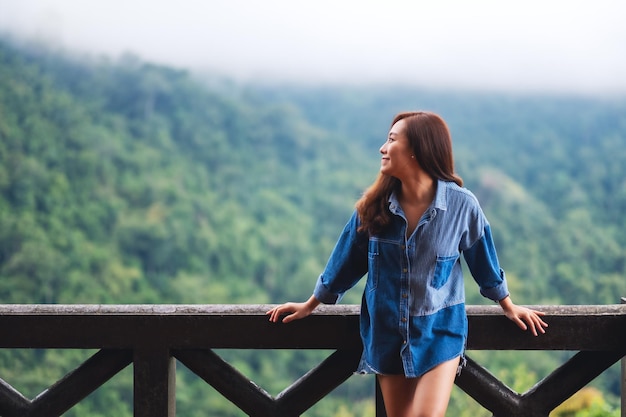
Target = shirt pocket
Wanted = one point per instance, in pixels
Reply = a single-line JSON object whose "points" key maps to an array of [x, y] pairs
{"points": [[373, 259], [443, 268]]}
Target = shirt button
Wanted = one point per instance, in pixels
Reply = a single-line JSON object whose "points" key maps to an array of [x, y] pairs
{"points": [[404, 269], [404, 342], [403, 319], [404, 295]]}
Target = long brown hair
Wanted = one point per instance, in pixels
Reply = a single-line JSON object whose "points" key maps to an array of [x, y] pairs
{"points": [[429, 139]]}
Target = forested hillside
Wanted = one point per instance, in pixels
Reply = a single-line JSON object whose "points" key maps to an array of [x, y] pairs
{"points": [[126, 182], [550, 173]]}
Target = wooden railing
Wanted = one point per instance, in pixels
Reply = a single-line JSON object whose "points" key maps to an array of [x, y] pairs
{"points": [[153, 337]]}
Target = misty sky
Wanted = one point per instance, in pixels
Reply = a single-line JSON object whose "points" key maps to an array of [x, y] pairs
{"points": [[537, 45]]}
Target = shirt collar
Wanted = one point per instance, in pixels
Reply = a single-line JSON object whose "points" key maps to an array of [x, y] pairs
{"points": [[441, 200]]}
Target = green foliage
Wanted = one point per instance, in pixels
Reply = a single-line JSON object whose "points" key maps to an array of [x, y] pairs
{"points": [[126, 182], [588, 402]]}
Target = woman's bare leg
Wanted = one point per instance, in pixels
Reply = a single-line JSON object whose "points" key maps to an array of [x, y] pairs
{"points": [[398, 392], [427, 396]]}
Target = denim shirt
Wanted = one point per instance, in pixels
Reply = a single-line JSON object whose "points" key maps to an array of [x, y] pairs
{"points": [[413, 307]]}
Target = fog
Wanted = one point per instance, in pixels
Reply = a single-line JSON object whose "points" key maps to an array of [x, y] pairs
{"points": [[538, 46]]}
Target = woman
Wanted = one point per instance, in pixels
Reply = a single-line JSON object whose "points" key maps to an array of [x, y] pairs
{"points": [[407, 234]]}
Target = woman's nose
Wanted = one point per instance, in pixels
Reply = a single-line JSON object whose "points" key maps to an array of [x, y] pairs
{"points": [[383, 149]]}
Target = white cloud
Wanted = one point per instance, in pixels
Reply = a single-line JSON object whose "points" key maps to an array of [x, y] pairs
{"points": [[540, 45]]}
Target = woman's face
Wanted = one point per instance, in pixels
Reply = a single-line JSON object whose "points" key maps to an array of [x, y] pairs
{"points": [[397, 158]]}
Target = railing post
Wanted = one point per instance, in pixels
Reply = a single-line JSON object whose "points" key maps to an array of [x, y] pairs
{"points": [[623, 405], [380, 403], [154, 383]]}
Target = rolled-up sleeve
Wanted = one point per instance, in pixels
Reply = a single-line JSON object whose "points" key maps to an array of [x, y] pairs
{"points": [[483, 264], [346, 266], [324, 295]]}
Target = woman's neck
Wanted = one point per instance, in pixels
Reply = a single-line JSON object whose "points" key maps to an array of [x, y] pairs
{"points": [[418, 191]]}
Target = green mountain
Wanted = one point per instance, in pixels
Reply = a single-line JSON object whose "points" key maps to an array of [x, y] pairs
{"points": [[549, 172], [127, 182]]}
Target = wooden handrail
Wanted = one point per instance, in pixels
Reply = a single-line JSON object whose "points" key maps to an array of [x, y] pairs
{"points": [[151, 336]]}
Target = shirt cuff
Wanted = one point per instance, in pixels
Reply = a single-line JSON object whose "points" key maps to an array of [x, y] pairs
{"points": [[324, 295], [498, 292]]}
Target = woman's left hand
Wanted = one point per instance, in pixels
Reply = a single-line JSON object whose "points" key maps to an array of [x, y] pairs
{"points": [[524, 317]]}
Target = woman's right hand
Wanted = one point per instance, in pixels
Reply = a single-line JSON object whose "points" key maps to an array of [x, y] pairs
{"points": [[293, 311]]}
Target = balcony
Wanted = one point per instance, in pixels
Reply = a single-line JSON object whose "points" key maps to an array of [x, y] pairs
{"points": [[153, 337]]}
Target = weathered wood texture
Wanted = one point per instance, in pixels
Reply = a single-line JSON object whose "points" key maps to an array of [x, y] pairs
{"points": [[246, 326], [151, 337]]}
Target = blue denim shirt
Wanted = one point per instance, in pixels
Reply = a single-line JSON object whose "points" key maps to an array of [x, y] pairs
{"points": [[413, 307]]}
